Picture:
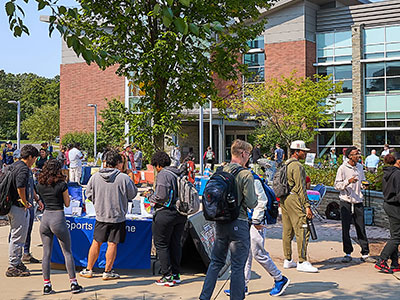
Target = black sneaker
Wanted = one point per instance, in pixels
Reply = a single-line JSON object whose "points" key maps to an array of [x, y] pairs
{"points": [[15, 272], [382, 266], [47, 290], [76, 288]]}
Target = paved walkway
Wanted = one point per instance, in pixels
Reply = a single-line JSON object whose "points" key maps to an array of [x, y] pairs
{"points": [[334, 281]]}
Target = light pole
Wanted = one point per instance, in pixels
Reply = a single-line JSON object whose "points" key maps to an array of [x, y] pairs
{"points": [[95, 131], [18, 122]]}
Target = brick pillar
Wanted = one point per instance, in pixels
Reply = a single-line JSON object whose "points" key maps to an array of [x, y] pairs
{"points": [[358, 101]]}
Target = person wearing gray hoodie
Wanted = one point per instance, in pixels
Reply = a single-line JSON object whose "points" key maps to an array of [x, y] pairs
{"points": [[109, 190], [168, 223]]}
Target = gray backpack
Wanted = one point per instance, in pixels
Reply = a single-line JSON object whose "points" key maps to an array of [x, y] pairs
{"points": [[188, 201], [280, 183]]}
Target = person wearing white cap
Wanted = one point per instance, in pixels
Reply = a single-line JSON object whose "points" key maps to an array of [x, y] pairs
{"points": [[295, 211]]}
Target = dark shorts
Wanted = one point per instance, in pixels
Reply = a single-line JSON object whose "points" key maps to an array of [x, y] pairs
{"points": [[109, 232]]}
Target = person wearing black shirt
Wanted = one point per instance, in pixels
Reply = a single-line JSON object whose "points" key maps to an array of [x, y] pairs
{"points": [[53, 190], [19, 215]]}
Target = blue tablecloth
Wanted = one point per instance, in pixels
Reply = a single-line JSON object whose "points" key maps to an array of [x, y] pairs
{"points": [[134, 253]]}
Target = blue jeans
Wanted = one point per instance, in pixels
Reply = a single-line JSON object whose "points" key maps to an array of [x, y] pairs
{"points": [[234, 236]]}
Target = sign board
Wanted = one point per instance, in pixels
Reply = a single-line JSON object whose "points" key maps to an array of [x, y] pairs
{"points": [[203, 236], [310, 159]]}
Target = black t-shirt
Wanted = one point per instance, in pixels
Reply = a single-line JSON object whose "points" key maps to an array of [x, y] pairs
{"points": [[52, 195], [20, 173]]}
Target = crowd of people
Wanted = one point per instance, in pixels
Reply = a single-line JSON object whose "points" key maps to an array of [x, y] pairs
{"points": [[113, 186]]}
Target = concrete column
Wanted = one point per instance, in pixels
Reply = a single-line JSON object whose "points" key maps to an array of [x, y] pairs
{"points": [[221, 141], [358, 86]]}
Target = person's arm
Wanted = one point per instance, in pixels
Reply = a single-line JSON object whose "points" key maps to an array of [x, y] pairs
{"points": [[249, 193], [262, 199], [66, 198], [341, 182]]}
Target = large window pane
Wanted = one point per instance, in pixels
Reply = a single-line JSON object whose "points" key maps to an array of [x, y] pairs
{"points": [[393, 34], [393, 102], [343, 72], [375, 103], [393, 85], [344, 138], [393, 68], [345, 105], [375, 137], [325, 40], [374, 48], [253, 60], [342, 51], [325, 71], [342, 38], [393, 138], [374, 35], [375, 70], [374, 85]]}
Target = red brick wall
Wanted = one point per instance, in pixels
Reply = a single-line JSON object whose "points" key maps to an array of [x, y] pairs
{"points": [[283, 58], [80, 85]]}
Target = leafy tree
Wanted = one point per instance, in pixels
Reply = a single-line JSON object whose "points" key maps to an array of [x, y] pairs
{"points": [[43, 124], [173, 49], [112, 124], [31, 90], [292, 106]]}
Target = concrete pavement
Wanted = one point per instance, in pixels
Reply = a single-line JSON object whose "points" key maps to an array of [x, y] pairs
{"points": [[334, 281]]}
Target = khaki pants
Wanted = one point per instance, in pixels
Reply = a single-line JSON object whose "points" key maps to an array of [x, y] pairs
{"points": [[294, 224]]}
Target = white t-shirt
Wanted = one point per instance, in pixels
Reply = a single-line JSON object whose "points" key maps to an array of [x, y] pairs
{"points": [[74, 156]]}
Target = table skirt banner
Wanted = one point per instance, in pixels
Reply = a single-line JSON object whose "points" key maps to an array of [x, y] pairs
{"points": [[134, 253]]}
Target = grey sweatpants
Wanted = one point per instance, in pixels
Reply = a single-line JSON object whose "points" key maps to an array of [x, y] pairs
{"points": [[261, 255], [19, 222], [54, 223]]}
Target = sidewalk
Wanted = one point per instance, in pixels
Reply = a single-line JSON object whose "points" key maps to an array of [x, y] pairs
{"points": [[334, 281]]}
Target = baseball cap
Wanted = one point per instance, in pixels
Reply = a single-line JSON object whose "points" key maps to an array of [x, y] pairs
{"points": [[299, 145]]}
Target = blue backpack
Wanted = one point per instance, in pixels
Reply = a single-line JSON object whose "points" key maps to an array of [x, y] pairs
{"points": [[271, 212]]}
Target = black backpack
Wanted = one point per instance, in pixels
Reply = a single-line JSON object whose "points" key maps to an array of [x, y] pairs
{"points": [[280, 183], [220, 199], [6, 202]]}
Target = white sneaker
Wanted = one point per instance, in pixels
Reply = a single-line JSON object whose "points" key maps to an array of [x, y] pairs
{"points": [[306, 267], [288, 264]]}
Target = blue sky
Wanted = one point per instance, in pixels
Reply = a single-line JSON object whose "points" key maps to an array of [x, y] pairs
{"points": [[36, 53]]}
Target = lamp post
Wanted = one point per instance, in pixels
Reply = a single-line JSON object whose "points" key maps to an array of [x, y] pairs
{"points": [[18, 122], [95, 131]]}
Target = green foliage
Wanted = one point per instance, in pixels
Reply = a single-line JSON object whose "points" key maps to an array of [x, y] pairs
{"points": [[291, 106], [169, 48], [112, 124], [43, 124], [86, 140], [31, 90]]}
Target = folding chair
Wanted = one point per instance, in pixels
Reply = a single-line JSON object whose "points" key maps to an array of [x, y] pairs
{"points": [[316, 201]]}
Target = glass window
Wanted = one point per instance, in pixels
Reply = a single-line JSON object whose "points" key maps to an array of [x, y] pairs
{"points": [[393, 138], [344, 137], [393, 68], [374, 85], [325, 40], [375, 124], [343, 72], [254, 59], [342, 38], [374, 48], [393, 34], [374, 35], [375, 103], [375, 116], [393, 85], [345, 106], [375, 137], [375, 70], [393, 102]]}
